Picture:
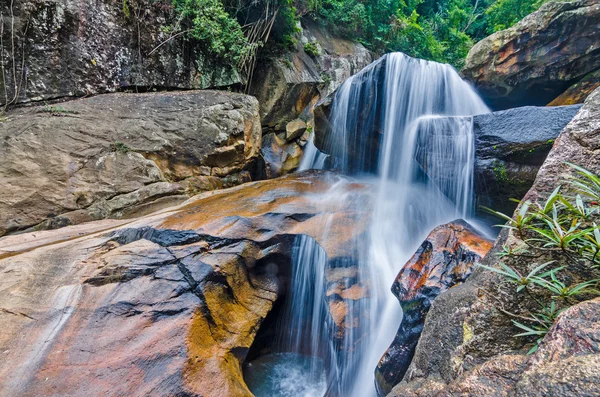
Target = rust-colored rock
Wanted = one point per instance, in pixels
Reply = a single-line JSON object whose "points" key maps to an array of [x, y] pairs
{"points": [[167, 304], [537, 59], [446, 258], [579, 91]]}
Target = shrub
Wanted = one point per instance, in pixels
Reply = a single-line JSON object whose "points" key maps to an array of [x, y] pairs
{"points": [[564, 227], [312, 49], [120, 147], [207, 22]]}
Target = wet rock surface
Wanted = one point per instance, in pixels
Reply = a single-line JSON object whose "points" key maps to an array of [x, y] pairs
{"points": [[445, 259], [510, 147], [288, 86], [167, 304], [465, 347], [122, 154], [537, 59]]}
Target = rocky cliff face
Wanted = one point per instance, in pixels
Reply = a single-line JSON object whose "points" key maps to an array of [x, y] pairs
{"points": [[54, 49], [288, 86], [465, 349], [537, 59], [168, 304], [119, 154]]}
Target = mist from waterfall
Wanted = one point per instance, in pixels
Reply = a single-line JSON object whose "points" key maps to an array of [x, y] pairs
{"points": [[389, 124]]}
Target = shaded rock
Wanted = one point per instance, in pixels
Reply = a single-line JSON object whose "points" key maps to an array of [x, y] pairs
{"points": [[579, 91], [280, 157], [466, 346], [285, 86], [166, 304], [75, 48], [288, 86], [510, 147], [537, 59], [446, 258], [121, 154], [294, 129]]}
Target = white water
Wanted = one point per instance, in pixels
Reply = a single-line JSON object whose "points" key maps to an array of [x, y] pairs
{"points": [[423, 170]]}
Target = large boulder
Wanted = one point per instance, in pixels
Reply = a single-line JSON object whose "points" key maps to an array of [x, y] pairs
{"points": [[167, 304], [445, 259], [510, 147], [537, 59], [115, 155], [465, 347], [63, 48]]}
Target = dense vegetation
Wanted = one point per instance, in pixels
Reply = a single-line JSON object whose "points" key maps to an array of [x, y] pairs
{"points": [[440, 30]]}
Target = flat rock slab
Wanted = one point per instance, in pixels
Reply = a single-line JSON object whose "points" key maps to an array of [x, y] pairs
{"points": [[165, 304]]}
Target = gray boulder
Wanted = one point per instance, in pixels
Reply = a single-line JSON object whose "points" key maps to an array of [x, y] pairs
{"points": [[118, 154], [510, 147]]}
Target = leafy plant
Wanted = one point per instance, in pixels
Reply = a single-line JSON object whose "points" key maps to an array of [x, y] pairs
{"points": [[120, 147], [312, 49], [207, 22], [56, 110], [565, 225]]}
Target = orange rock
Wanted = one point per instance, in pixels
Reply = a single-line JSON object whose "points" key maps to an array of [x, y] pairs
{"points": [[167, 304], [446, 258]]}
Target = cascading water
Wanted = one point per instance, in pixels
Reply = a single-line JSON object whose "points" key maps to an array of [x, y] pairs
{"points": [[390, 122]]}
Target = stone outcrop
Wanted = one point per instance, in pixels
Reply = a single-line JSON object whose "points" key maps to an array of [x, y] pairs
{"points": [[465, 347], [510, 147], [537, 59], [578, 91], [289, 85], [286, 85], [167, 304], [122, 154], [445, 259], [73, 48]]}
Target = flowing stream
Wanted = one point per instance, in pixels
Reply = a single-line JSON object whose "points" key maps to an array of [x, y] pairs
{"points": [[390, 127]]}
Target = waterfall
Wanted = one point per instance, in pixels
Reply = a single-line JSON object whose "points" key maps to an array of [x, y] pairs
{"points": [[389, 123]]}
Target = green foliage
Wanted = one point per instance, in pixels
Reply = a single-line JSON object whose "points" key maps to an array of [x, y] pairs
{"points": [[207, 22], [312, 49], [503, 14], [56, 110], [284, 27], [565, 227], [120, 147], [439, 30], [126, 10]]}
